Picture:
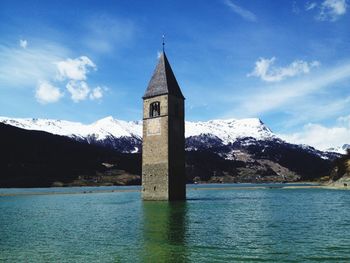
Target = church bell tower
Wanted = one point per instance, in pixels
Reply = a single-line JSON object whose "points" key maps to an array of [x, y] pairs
{"points": [[163, 146]]}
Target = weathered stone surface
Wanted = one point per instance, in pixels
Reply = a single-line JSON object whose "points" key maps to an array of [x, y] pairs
{"points": [[163, 147]]}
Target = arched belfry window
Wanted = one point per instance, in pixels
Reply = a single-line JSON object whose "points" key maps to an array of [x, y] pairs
{"points": [[154, 109]]}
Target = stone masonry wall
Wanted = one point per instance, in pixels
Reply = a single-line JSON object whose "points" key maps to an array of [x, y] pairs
{"points": [[155, 169]]}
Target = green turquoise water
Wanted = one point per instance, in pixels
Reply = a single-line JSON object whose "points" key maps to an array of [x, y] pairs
{"points": [[229, 223]]}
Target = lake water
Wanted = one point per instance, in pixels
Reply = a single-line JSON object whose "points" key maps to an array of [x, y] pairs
{"points": [[218, 223]]}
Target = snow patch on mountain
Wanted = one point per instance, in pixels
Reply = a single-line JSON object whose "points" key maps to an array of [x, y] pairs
{"points": [[230, 130], [227, 130], [340, 149], [100, 129]]}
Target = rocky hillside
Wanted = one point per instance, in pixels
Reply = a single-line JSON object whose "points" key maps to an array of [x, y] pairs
{"points": [[251, 160], [340, 175]]}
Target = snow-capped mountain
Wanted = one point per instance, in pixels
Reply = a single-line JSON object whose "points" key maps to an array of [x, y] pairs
{"points": [[340, 149], [100, 129], [230, 130], [126, 136], [246, 150], [227, 130]]}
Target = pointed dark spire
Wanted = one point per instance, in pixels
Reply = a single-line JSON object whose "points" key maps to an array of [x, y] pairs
{"points": [[163, 80]]}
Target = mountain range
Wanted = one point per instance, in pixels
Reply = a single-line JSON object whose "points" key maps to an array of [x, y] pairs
{"points": [[227, 130], [233, 150], [108, 130]]}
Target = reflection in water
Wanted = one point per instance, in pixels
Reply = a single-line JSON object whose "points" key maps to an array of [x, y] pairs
{"points": [[164, 231]]}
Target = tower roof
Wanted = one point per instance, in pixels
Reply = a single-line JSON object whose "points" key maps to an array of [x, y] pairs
{"points": [[163, 80]]}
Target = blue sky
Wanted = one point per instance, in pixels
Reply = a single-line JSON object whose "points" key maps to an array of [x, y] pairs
{"points": [[285, 62]]}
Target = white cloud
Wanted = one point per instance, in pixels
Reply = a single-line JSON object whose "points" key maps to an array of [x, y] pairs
{"points": [[47, 93], [79, 90], [244, 13], [96, 93], [49, 65], [332, 9], [23, 43], [322, 137], [328, 10], [266, 71], [74, 69]]}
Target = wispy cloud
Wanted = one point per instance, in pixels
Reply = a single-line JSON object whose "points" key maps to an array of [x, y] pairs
{"points": [[295, 8], [322, 137], [105, 34], [265, 69], [290, 94], [315, 109], [310, 6], [328, 10], [24, 67], [332, 9], [244, 13], [344, 120]]}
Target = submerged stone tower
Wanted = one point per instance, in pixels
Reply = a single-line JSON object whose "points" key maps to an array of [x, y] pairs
{"points": [[163, 147]]}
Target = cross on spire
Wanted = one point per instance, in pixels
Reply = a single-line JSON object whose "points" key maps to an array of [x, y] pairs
{"points": [[163, 37]]}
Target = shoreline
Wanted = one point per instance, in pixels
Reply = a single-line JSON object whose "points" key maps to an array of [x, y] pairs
{"points": [[194, 187]]}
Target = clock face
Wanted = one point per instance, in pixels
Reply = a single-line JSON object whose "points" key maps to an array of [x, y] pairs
{"points": [[153, 127]]}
